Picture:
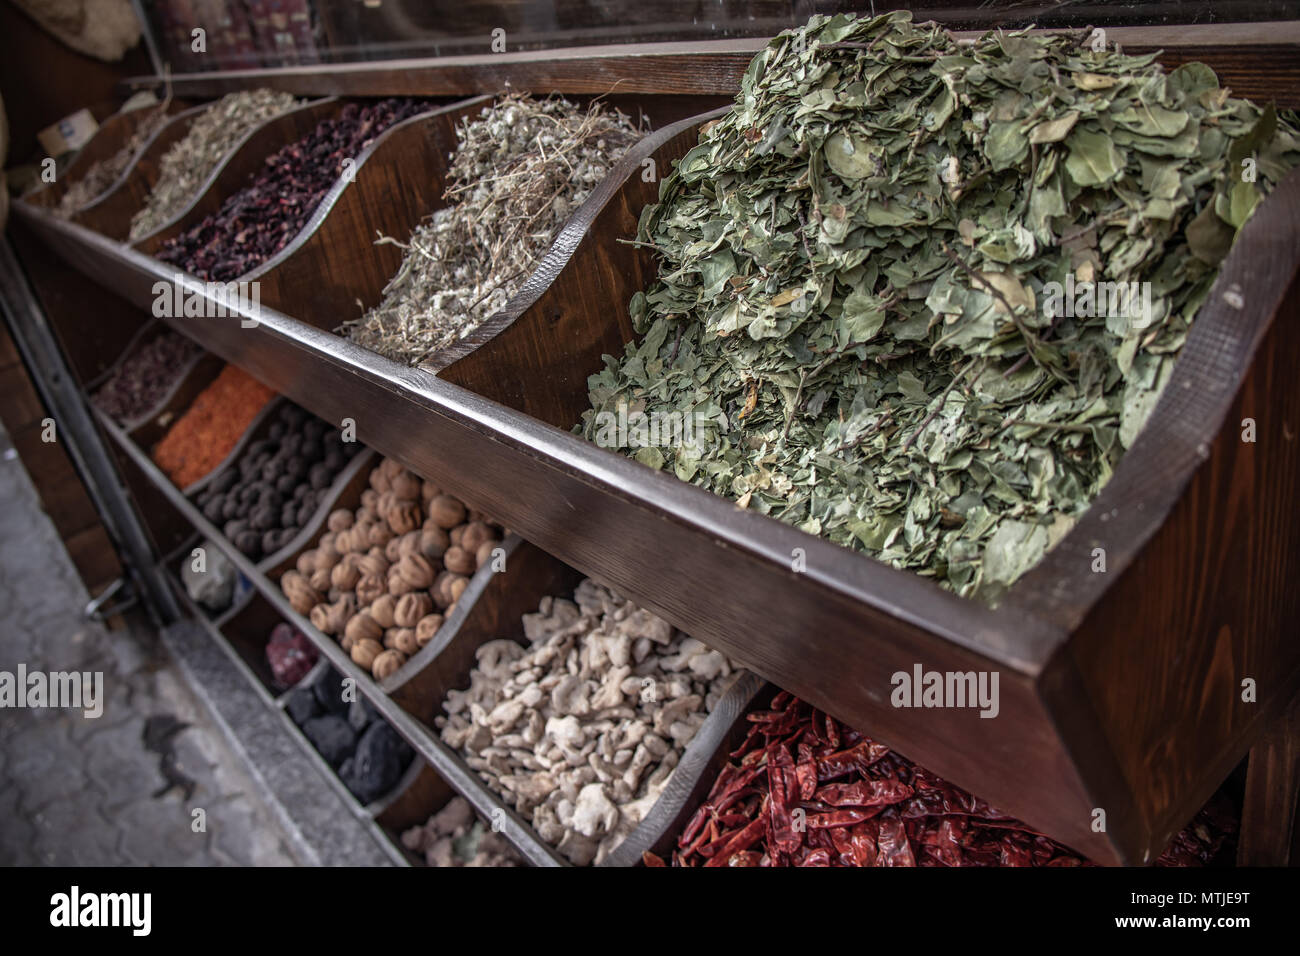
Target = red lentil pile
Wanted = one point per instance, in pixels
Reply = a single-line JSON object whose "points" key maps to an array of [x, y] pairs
{"points": [[211, 427], [805, 790]]}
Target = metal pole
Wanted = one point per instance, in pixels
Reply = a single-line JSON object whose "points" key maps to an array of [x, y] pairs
{"points": [[75, 429], [146, 30]]}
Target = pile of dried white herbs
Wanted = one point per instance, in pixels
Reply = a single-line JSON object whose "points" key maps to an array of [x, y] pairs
{"points": [[101, 175], [189, 162], [520, 169], [880, 283]]}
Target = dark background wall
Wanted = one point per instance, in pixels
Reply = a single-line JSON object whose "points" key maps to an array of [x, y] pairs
{"points": [[43, 81]]}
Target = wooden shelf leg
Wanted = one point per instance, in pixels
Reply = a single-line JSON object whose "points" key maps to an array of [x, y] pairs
{"points": [[1269, 826]]}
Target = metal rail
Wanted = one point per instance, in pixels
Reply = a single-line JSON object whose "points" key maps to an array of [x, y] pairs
{"points": [[76, 431]]}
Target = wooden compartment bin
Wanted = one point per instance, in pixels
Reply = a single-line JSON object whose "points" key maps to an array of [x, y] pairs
{"points": [[501, 599], [113, 134], [1095, 667], [243, 162], [334, 269]]}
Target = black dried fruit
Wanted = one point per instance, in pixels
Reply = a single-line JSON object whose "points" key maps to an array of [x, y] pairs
{"points": [[225, 481], [332, 737], [381, 757], [329, 692], [250, 543], [321, 476], [213, 510], [359, 714], [302, 705], [268, 487]]}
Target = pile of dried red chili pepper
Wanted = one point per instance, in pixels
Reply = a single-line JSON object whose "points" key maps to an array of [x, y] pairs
{"points": [[804, 790]]}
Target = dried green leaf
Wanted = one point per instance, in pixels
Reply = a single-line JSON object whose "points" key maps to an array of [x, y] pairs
{"points": [[903, 318]]}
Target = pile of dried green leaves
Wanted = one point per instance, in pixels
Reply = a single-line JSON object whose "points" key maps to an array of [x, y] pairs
{"points": [[519, 170], [189, 161], [854, 294]]}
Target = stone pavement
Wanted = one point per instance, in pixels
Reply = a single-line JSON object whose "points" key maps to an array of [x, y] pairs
{"points": [[77, 790]]}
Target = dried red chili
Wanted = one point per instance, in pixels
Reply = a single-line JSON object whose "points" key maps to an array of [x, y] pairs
{"points": [[805, 790]]}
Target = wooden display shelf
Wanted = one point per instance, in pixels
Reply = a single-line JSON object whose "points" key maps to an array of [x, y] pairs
{"points": [[238, 631], [1119, 691], [411, 698]]}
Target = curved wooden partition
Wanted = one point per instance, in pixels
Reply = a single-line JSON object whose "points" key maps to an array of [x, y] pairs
{"points": [[491, 600], [348, 483], [111, 138], [144, 333], [420, 795], [243, 162], [195, 375], [113, 134], [111, 213], [536, 353], [152, 430], [334, 263], [149, 428], [496, 602]]}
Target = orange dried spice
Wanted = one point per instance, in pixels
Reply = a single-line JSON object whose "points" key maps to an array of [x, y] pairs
{"points": [[211, 427]]}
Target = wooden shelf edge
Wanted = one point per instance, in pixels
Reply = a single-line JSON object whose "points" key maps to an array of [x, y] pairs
{"points": [[694, 67], [1021, 641]]}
